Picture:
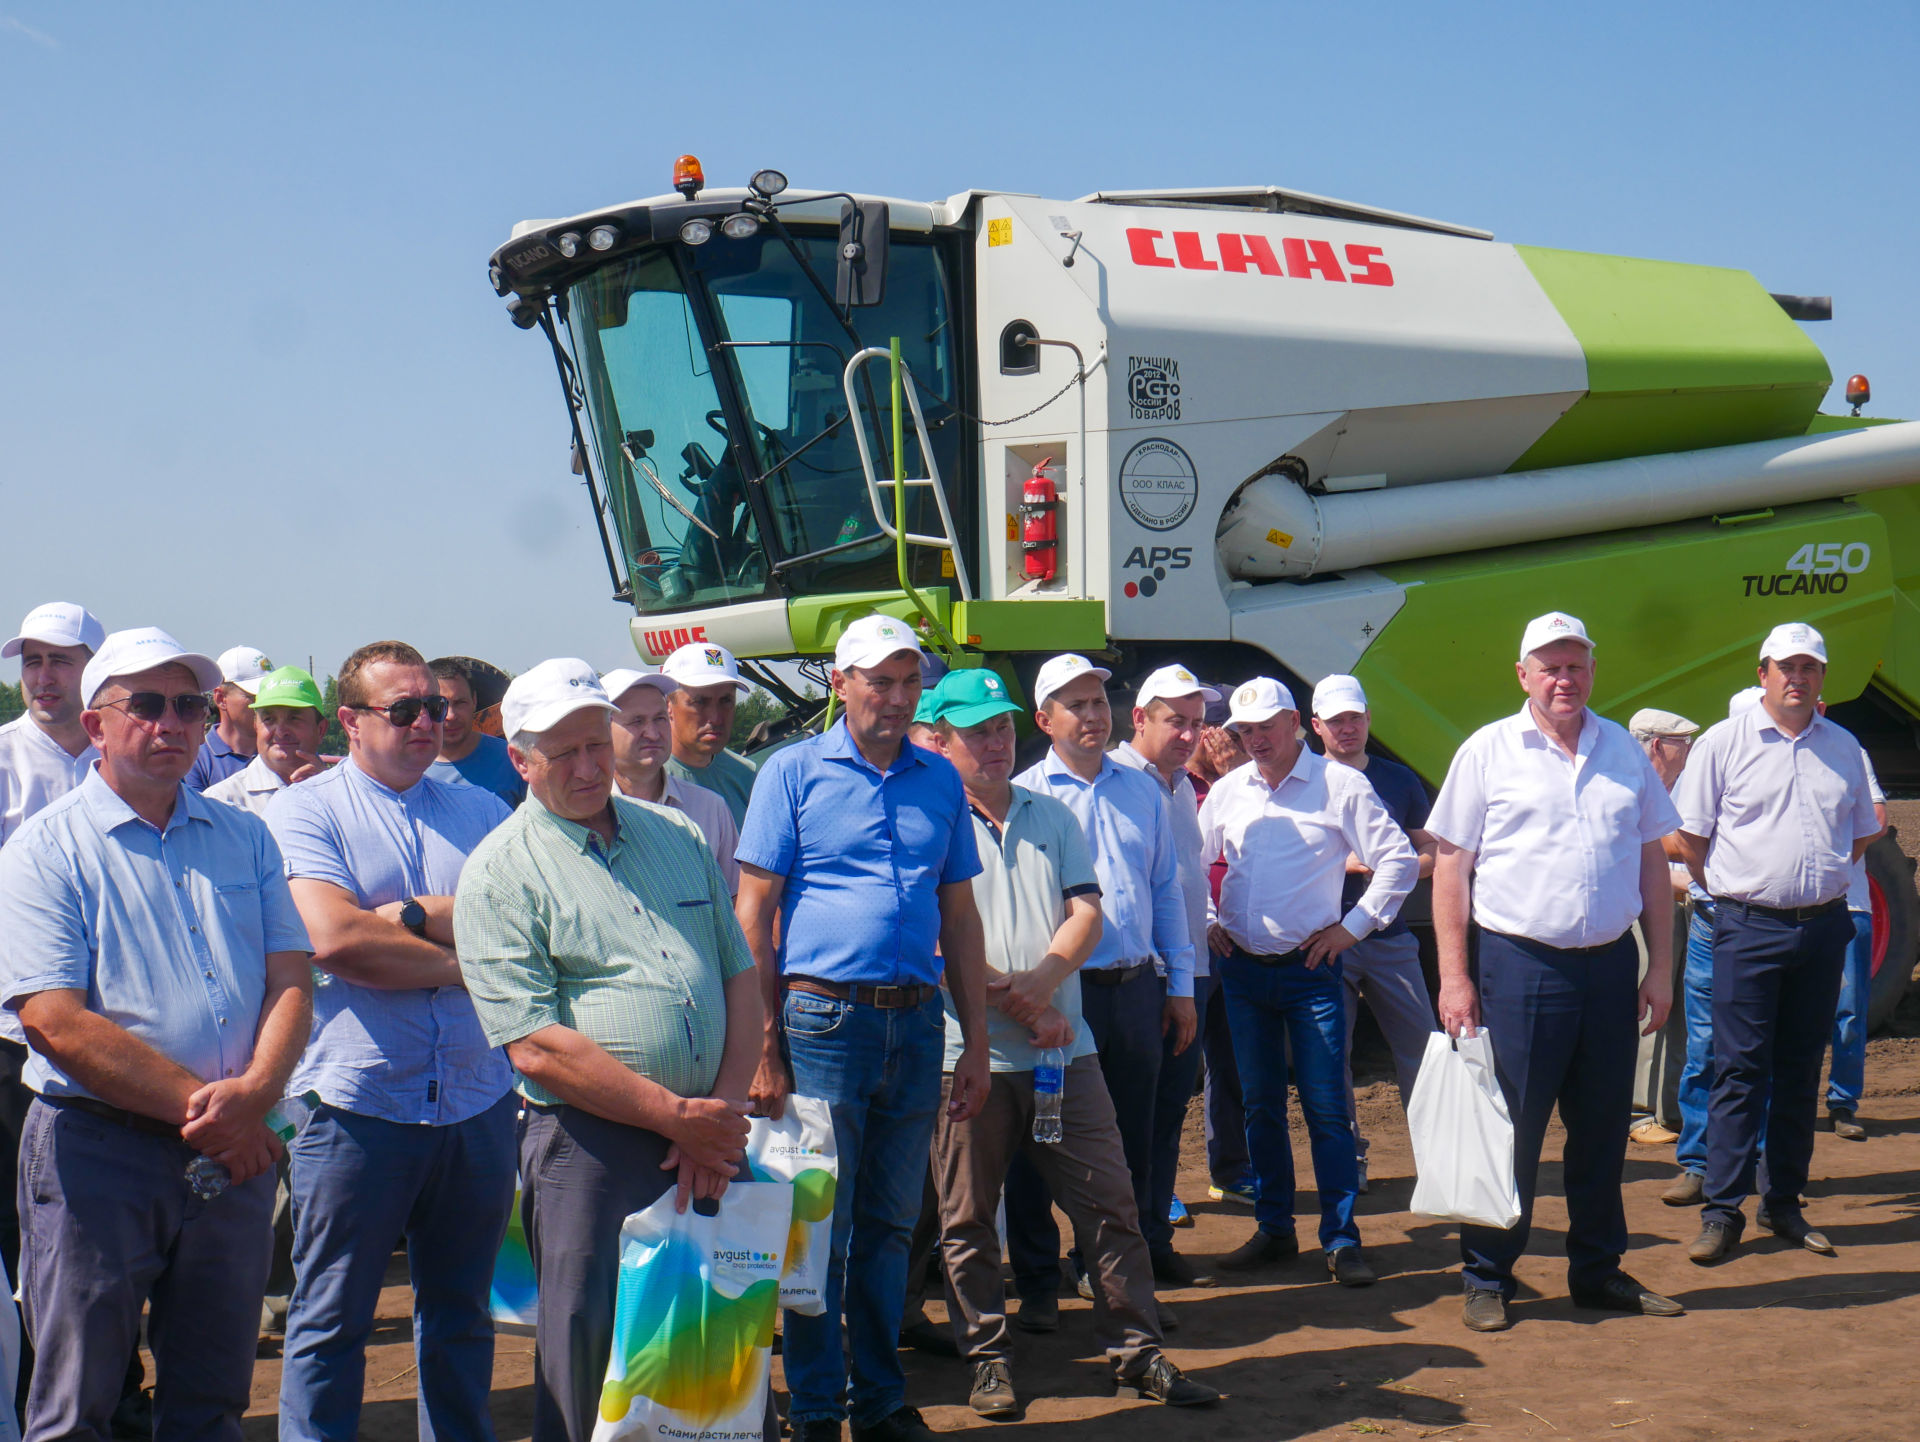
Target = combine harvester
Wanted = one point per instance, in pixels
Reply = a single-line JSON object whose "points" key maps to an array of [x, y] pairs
{"points": [[1255, 430]]}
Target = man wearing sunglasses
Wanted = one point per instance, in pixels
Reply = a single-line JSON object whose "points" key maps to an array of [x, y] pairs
{"points": [[413, 1135], [151, 948]]}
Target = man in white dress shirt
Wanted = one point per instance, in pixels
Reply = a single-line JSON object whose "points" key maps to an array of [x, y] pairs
{"points": [[1775, 808], [1286, 823], [642, 742], [1555, 817]]}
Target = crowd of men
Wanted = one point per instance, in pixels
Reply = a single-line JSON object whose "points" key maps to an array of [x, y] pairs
{"points": [[577, 956]]}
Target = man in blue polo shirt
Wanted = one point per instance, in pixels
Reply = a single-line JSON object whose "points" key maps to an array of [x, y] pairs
{"points": [[861, 845]]}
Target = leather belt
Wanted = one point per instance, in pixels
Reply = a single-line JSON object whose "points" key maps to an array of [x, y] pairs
{"points": [[1286, 958], [1793, 915], [1113, 975], [890, 998], [132, 1121]]}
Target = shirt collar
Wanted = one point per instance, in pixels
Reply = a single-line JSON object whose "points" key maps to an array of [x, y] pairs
{"points": [[838, 745], [1759, 719], [112, 812], [580, 837], [1126, 755], [27, 726], [1052, 764], [355, 772], [1303, 767], [217, 744], [261, 777], [1530, 731]]}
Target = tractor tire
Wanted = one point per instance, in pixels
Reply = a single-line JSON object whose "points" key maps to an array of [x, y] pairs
{"points": [[1896, 926]]}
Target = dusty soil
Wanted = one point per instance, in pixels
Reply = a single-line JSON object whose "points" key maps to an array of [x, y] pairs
{"points": [[1777, 1342]]}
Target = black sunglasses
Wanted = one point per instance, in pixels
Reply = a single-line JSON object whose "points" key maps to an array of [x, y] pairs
{"points": [[407, 709], [150, 706]]}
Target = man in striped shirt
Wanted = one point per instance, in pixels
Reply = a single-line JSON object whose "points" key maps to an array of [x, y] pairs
{"points": [[598, 943]]}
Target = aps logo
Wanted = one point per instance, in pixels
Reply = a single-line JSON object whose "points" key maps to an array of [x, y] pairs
{"points": [[1156, 561]]}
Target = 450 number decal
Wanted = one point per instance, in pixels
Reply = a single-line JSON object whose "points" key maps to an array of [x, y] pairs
{"points": [[1816, 569]]}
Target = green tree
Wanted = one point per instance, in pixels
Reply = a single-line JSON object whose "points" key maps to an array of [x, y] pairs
{"points": [[12, 703], [334, 743]]}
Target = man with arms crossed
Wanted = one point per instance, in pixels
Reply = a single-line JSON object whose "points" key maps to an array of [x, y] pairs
{"points": [[1775, 809], [642, 742], [1039, 905], [1554, 816], [1286, 822], [600, 948], [413, 1136], [859, 844], [150, 947]]}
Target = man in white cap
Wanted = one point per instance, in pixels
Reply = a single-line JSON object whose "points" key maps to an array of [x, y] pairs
{"points": [[642, 741], [414, 1133], [1550, 824], [1137, 987], [1169, 713], [861, 846], [599, 945], [155, 958], [709, 686], [231, 744], [1775, 809], [1384, 967], [1286, 823]]}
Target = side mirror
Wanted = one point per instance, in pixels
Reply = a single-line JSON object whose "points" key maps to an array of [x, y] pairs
{"points": [[861, 278]]}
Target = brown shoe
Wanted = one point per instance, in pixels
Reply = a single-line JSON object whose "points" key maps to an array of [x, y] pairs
{"points": [[1845, 1127], [1715, 1242], [1686, 1190]]}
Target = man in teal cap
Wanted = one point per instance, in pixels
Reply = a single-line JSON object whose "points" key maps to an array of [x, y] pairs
{"points": [[289, 719], [1040, 909]]}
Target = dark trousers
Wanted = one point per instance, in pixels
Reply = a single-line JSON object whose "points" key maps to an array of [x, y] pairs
{"points": [[581, 1176], [15, 1097], [1178, 1074], [1563, 1028], [1227, 1161], [1125, 1022], [110, 1226], [1776, 985]]}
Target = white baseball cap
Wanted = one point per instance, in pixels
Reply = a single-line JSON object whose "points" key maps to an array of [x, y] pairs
{"points": [[871, 639], [1796, 638], [617, 683], [58, 623], [1337, 696], [1742, 702], [1060, 670], [245, 667], [1554, 626], [552, 691], [1260, 699], [1171, 681], [127, 653], [701, 663]]}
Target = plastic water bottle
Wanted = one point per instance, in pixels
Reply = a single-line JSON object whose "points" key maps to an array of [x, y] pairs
{"points": [[1049, 1078], [209, 1178]]}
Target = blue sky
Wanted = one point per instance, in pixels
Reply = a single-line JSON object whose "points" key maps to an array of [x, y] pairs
{"points": [[254, 386]]}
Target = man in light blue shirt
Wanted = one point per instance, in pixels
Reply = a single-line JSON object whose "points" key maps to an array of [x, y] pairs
{"points": [[469, 755], [155, 959], [414, 1131], [860, 843], [1134, 1011]]}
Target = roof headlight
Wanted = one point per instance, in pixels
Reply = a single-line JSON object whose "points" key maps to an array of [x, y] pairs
{"points": [[602, 237], [568, 245], [767, 183], [741, 226], [696, 232]]}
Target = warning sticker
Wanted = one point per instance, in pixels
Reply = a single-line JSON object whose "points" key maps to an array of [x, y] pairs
{"points": [[1280, 539], [1000, 232]]}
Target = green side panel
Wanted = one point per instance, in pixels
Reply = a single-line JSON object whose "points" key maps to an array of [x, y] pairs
{"points": [[1899, 511], [1677, 614], [1031, 625], [1679, 357], [817, 621]]}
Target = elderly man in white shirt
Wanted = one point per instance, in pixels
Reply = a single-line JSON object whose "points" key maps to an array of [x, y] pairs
{"points": [[1775, 808], [1286, 823], [642, 742], [1555, 816]]}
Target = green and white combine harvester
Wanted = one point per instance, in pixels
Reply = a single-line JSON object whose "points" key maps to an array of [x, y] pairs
{"points": [[1268, 432]]}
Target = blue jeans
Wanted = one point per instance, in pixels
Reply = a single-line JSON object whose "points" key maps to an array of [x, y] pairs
{"points": [[359, 1185], [1564, 1033], [1276, 1010], [878, 1070], [1696, 1074], [1848, 1077]]}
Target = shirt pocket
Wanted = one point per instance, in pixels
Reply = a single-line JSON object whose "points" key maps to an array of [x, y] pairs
{"points": [[242, 925]]}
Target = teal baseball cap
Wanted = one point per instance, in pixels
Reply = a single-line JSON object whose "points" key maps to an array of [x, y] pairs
{"points": [[966, 698], [925, 714]]}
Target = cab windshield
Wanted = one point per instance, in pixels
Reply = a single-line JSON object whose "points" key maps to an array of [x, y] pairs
{"points": [[713, 384]]}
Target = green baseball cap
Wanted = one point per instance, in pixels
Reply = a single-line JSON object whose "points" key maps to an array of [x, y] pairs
{"points": [[288, 686], [966, 698], [926, 713]]}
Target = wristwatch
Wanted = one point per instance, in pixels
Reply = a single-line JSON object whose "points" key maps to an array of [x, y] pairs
{"points": [[413, 916]]}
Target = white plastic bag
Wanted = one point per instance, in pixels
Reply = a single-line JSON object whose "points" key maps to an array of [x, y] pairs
{"points": [[1462, 1135], [693, 1319], [799, 1149]]}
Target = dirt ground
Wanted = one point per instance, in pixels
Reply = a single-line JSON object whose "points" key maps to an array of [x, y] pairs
{"points": [[1776, 1343]]}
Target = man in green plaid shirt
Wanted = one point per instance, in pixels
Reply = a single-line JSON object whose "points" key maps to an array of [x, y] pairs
{"points": [[598, 943]]}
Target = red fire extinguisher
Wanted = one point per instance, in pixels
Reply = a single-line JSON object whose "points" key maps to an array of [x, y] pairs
{"points": [[1039, 532]]}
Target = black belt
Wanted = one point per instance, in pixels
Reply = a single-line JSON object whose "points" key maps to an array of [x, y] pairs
{"points": [[1792, 915], [132, 1121], [891, 998], [1285, 958], [1567, 950], [1113, 975]]}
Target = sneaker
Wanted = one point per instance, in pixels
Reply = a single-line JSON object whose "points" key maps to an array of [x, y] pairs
{"points": [[1240, 1194], [1178, 1215], [1161, 1381], [904, 1425], [992, 1394]]}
